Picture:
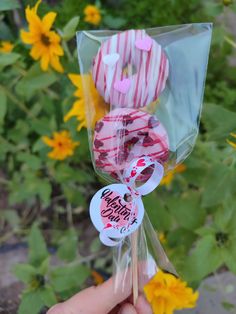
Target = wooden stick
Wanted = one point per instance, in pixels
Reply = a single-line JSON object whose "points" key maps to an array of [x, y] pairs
{"points": [[134, 256]]}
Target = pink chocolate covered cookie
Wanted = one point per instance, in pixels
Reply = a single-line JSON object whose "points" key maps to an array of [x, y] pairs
{"points": [[130, 69], [125, 134]]}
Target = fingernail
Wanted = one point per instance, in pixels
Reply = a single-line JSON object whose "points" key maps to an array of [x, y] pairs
{"points": [[127, 309]]}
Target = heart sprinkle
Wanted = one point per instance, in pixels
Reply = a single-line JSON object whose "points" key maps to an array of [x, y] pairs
{"points": [[144, 44], [111, 59], [141, 163], [122, 86]]}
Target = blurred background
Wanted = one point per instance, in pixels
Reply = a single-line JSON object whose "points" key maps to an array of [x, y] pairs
{"points": [[48, 247]]}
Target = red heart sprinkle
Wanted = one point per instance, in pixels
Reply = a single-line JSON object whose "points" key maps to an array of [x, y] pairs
{"points": [[133, 173], [141, 163]]}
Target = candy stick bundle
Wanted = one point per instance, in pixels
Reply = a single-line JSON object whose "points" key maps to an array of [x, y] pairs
{"points": [[153, 82]]}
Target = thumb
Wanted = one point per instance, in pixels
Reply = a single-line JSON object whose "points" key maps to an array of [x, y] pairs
{"points": [[95, 300]]}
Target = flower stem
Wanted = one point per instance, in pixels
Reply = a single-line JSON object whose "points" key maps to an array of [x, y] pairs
{"points": [[14, 99], [67, 50], [230, 41]]}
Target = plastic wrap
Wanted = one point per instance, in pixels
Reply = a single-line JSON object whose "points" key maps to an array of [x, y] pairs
{"points": [[151, 83]]}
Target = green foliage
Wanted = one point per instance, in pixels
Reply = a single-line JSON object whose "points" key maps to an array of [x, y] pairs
{"points": [[9, 5], [45, 284], [70, 28]]}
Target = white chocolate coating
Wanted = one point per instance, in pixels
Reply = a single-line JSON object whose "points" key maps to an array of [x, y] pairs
{"points": [[151, 69]]}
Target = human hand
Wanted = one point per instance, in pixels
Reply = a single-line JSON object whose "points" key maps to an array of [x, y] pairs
{"points": [[102, 300]]}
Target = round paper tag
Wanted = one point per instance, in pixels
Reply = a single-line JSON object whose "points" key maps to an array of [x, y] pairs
{"points": [[115, 213]]}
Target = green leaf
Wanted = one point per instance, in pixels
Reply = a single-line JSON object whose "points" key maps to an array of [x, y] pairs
{"points": [[230, 253], [33, 301], [158, 215], [70, 28], [213, 9], [44, 125], [24, 272], [114, 22], [67, 277], [32, 161], [181, 237], [187, 210], [6, 5], [217, 185], [44, 190], [35, 80], [8, 59], [65, 173], [68, 246], [12, 218], [74, 196], [3, 106], [38, 146], [205, 258], [44, 267], [48, 296], [37, 246], [227, 306], [214, 117]]}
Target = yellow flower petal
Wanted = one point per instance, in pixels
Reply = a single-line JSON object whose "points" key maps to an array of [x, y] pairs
{"points": [[35, 8], [98, 107], [47, 141], [231, 143], [45, 42], [26, 37], [57, 50], [61, 144], [56, 65], [44, 62], [92, 14], [76, 79], [6, 46], [48, 20], [33, 19], [166, 293]]}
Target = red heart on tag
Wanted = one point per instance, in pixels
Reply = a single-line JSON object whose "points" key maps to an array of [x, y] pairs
{"points": [[141, 163], [108, 226]]}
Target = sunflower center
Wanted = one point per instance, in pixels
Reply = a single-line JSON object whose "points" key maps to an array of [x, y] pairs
{"points": [[45, 40]]}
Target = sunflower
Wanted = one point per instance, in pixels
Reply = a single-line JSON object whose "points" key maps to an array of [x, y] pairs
{"points": [[167, 180], [62, 145], [231, 143], [98, 107], [92, 14], [6, 46], [166, 293], [45, 42]]}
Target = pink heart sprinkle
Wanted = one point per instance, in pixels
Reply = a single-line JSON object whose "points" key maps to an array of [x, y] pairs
{"points": [[122, 86], [144, 44]]}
